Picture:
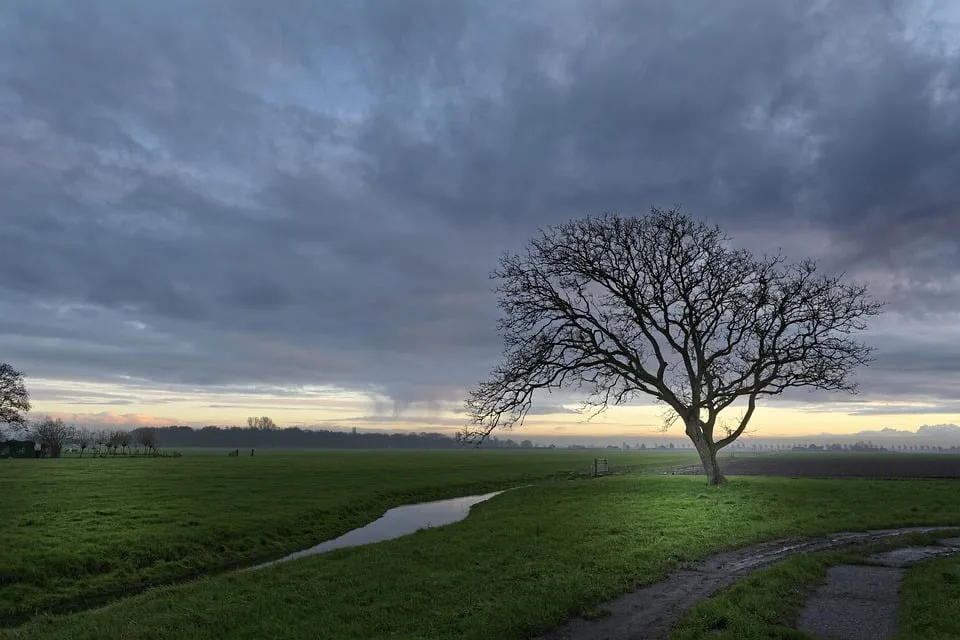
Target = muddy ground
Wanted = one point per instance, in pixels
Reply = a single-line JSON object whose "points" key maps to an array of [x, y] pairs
{"points": [[838, 466], [647, 613]]}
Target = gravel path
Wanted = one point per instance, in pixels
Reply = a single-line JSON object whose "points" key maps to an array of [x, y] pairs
{"points": [[862, 602], [857, 603]]}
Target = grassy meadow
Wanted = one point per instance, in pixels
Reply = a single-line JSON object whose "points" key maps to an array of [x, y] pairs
{"points": [[930, 601], [75, 531], [522, 562]]}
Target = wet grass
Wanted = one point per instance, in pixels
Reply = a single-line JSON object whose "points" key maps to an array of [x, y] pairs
{"points": [[522, 563], [930, 601], [78, 531], [768, 602]]}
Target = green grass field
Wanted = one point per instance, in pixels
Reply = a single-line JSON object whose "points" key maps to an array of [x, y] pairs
{"points": [[520, 564], [75, 530], [930, 601]]}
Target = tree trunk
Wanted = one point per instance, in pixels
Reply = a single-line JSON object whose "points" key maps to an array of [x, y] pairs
{"points": [[708, 457], [708, 454]]}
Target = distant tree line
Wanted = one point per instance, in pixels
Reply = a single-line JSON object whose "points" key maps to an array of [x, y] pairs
{"points": [[855, 447], [261, 432], [50, 437]]}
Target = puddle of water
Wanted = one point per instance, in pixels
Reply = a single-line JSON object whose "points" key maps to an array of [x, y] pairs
{"points": [[912, 555], [395, 523]]}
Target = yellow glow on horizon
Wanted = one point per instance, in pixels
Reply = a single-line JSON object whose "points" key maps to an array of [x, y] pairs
{"points": [[116, 404]]}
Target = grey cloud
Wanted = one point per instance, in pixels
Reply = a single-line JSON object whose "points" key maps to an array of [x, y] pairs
{"points": [[313, 193], [411, 419], [546, 410], [893, 410]]}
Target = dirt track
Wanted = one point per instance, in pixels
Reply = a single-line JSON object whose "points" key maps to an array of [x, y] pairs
{"points": [[646, 614], [839, 466]]}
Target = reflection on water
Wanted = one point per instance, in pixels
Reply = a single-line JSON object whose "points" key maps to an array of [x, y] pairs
{"points": [[396, 522]]}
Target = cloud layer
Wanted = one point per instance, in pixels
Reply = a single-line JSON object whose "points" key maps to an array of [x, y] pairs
{"points": [[309, 193]]}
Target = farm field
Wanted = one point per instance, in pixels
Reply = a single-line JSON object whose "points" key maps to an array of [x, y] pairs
{"points": [[843, 465], [522, 563], [78, 531]]}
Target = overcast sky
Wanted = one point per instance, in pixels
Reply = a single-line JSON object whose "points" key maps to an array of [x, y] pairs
{"points": [[210, 209]]}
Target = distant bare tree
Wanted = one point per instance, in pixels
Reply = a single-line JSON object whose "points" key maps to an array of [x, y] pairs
{"points": [[262, 423], [114, 440], [100, 438], [14, 398], [52, 434], [84, 438], [148, 438], [124, 439], [109, 438], [661, 306]]}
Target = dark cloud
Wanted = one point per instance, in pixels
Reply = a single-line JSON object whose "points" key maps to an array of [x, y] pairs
{"points": [[313, 193]]}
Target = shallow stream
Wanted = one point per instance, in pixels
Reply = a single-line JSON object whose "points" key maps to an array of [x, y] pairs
{"points": [[395, 523]]}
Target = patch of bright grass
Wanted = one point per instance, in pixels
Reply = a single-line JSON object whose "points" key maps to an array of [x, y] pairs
{"points": [[930, 601], [522, 563]]}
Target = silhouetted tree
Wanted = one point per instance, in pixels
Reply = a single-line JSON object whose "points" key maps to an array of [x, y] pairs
{"points": [[119, 440], [52, 434], [83, 437], [262, 423], [101, 438], [124, 439], [14, 398], [148, 438], [661, 305]]}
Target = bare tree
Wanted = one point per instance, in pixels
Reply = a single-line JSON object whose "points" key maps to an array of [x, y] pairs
{"points": [[14, 398], [661, 305], [114, 440], [52, 434], [124, 440], [101, 439], [84, 438], [262, 423], [108, 440], [148, 438]]}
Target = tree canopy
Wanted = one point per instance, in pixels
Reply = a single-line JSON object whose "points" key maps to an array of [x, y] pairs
{"points": [[263, 423], [52, 434], [14, 398], [663, 306]]}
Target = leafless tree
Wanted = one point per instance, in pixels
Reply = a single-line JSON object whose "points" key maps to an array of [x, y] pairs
{"points": [[124, 440], [661, 305], [101, 439], [116, 440], [262, 423], [84, 438], [52, 434], [14, 398], [148, 438]]}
